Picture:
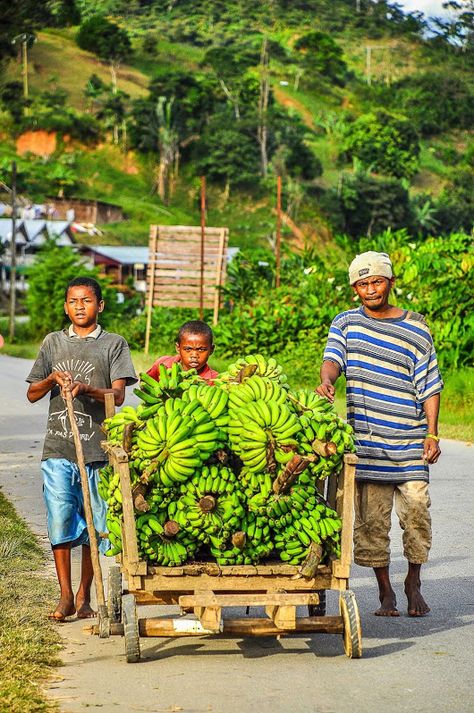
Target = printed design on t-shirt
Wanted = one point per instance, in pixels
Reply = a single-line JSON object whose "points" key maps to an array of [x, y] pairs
{"points": [[58, 422]]}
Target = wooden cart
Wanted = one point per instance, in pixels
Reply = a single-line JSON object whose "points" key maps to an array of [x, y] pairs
{"points": [[206, 588]]}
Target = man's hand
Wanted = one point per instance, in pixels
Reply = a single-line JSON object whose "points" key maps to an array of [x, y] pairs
{"points": [[431, 450], [327, 390]]}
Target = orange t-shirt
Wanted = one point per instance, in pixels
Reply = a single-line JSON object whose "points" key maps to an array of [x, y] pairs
{"points": [[206, 373]]}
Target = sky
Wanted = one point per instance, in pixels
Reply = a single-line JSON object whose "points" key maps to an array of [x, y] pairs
{"points": [[430, 8]]}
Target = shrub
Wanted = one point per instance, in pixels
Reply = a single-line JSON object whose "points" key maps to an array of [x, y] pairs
{"points": [[385, 143]]}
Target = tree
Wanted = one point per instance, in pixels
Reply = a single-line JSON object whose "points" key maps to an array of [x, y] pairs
{"points": [[228, 152], [107, 40], [453, 106], [48, 276], [19, 17], [321, 56], [385, 143], [168, 146], [13, 101], [369, 205], [230, 65]]}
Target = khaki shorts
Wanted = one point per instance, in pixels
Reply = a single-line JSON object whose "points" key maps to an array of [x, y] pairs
{"points": [[373, 519]]}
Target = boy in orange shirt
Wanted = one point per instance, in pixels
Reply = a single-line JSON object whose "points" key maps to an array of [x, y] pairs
{"points": [[194, 346]]}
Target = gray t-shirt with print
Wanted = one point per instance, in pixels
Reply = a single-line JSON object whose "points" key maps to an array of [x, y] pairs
{"points": [[95, 361]]}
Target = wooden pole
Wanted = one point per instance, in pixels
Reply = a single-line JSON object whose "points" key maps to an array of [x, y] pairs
{"points": [[151, 283], [278, 234], [203, 237], [96, 568], [219, 266], [13, 257]]}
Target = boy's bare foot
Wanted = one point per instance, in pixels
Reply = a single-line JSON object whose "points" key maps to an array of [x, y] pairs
{"points": [[416, 604], [388, 604], [64, 609], [84, 610]]}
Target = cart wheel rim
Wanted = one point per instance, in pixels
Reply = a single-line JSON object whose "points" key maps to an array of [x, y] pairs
{"points": [[352, 632], [114, 594], [130, 629]]}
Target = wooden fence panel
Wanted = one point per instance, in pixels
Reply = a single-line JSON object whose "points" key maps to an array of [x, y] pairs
{"points": [[174, 268]]}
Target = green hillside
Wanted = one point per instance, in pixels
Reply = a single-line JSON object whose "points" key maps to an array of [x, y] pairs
{"points": [[326, 66]]}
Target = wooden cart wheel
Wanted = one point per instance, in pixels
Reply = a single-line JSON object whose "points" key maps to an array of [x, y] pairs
{"points": [[114, 594], [130, 628], [352, 633]]}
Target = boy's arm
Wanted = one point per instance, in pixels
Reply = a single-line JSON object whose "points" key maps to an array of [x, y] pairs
{"points": [[330, 372], [118, 390], [38, 389]]}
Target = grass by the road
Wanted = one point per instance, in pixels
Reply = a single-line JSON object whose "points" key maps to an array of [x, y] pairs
{"points": [[29, 643]]}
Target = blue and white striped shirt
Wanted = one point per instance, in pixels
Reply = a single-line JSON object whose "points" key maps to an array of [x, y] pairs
{"points": [[391, 369]]}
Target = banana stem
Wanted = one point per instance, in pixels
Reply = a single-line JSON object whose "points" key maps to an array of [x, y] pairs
{"points": [[207, 503]]}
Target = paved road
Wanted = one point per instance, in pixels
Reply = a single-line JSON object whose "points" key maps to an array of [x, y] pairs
{"points": [[408, 665]]}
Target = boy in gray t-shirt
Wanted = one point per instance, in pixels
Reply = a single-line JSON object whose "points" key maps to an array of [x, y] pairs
{"points": [[89, 362]]}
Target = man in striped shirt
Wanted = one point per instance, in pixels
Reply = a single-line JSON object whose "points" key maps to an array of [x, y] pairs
{"points": [[393, 390]]}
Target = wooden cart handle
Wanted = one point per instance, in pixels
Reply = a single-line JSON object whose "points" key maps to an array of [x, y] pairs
{"points": [[96, 568]]}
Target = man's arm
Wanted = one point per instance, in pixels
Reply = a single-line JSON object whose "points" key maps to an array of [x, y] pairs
{"points": [[431, 449], [330, 372]]}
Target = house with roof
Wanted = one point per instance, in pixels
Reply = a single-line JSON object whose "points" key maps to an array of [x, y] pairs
{"points": [[30, 234]]}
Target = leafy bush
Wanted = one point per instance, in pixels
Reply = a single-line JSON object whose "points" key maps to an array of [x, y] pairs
{"points": [[435, 101], [321, 55], [104, 38], [436, 277], [385, 143], [51, 271], [368, 205]]}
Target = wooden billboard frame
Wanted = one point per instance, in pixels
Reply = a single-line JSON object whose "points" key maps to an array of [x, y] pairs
{"points": [[172, 274]]}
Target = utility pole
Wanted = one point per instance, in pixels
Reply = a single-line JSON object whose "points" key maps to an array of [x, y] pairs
{"points": [[13, 256], [368, 60], [203, 238], [278, 234], [24, 38]]}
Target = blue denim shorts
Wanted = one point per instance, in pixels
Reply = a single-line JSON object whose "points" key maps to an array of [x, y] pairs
{"points": [[62, 494]]}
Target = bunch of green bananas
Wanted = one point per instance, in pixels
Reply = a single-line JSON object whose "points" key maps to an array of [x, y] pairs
{"points": [[162, 541], [326, 435], [262, 366], [172, 383], [203, 513], [114, 534], [300, 518], [211, 398], [259, 425], [255, 388], [178, 440], [114, 425], [306, 400], [252, 483]]}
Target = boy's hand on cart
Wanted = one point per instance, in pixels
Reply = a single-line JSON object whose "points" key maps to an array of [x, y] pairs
{"points": [[326, 390], [63, 379], [78, 387], [431, 450]]}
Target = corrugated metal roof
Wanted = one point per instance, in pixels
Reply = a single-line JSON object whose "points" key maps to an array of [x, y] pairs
{"points": [[124, 254], [132, 255], [33, 232], [6, 231]]}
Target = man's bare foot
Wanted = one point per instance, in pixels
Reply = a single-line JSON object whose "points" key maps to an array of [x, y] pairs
{"points": [[84, 610], [416, 604], [64, 609], [388, 605]]}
